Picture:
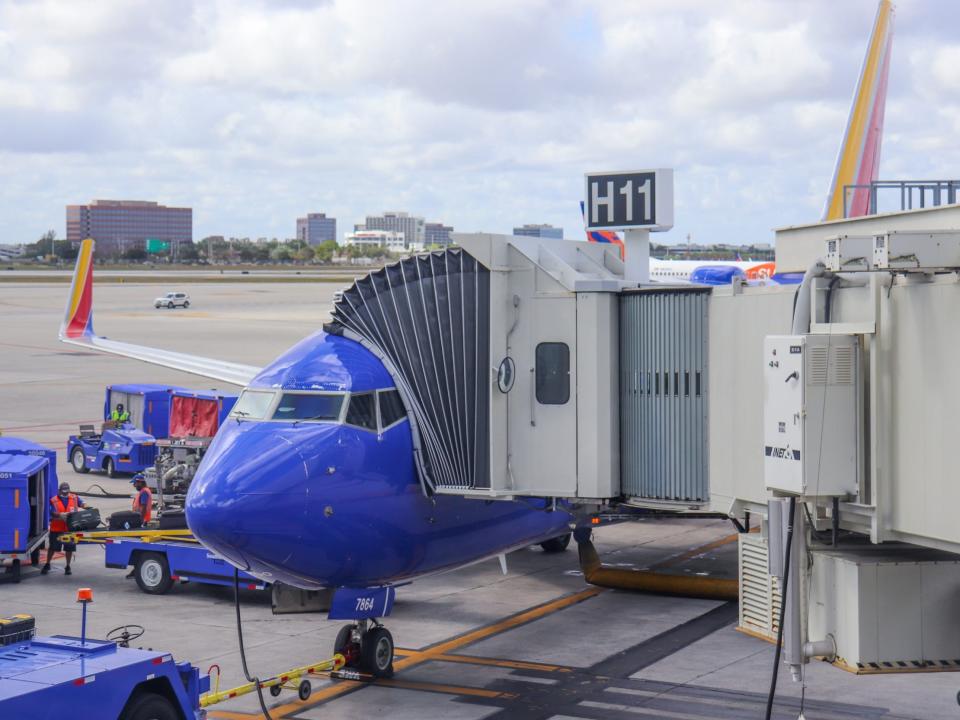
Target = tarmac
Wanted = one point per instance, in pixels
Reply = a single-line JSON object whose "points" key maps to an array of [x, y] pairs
{"points": [[536, 643]]}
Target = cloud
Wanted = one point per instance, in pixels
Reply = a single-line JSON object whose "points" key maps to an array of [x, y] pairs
{"points": [[484, 115]]}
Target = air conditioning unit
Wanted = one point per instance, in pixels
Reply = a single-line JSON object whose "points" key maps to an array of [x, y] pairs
{"points": [[811, 418], [912, 250], [759, 590]]}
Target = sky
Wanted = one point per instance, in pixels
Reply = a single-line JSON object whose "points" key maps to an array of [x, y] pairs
{"points": [[481, 114]]}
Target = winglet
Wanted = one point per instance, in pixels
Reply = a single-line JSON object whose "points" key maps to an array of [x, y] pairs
{"points": [[858, 162], [78, 315]]}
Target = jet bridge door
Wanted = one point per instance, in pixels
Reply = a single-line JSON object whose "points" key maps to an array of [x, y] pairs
{"points": [[663, 395], [542, 406]]}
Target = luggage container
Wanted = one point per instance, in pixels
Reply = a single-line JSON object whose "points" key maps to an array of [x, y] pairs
{"points": [[147, 403], [170, 410], [27, 482], [197, 413]]}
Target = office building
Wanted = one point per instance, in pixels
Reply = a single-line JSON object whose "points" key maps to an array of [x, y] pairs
{"points": [[316, 228], [119, 225], [436, 234], [389, 239], [411, 226], [541, 231]]}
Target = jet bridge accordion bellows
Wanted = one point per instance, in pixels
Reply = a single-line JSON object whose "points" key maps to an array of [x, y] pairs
{"points": [[428, 319]]}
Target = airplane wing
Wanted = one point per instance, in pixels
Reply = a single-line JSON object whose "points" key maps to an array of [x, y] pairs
{"points": [[77, 329]]}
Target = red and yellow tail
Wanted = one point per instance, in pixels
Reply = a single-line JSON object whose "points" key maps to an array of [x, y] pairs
{"points": [[858, 162], [78, 317]]}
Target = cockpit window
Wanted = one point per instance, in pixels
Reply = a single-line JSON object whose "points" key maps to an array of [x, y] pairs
{"points": [[363, 411], [253, 404], [391, 408], [309, 406]]}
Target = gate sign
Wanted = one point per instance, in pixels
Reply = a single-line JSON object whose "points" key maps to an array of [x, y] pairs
{"points": [[640, 199]]}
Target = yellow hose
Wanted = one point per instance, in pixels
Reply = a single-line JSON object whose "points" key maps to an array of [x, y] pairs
{"points": [[595, 573]]}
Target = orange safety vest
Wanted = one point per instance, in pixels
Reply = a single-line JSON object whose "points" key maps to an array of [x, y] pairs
{"points": [[58, 524], [149, 507]]}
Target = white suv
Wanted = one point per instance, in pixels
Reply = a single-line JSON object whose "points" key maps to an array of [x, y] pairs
{"points": [[172, 299]]}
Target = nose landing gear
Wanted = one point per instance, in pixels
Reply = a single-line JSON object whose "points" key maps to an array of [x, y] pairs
{"points": [[367, 646]]}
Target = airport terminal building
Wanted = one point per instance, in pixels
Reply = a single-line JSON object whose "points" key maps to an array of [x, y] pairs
{"points": [[119, 225]]}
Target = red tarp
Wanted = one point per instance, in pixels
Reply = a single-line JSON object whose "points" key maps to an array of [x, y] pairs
{"points": [[193, 416]]}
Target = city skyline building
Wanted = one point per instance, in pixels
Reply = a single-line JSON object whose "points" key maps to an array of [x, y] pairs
{"points": [[389, 239], [119, 225], [436, 233], [541, 231], [316, 228], [412, 226]]}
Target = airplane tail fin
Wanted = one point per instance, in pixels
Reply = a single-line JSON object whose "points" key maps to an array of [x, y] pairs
{"points": [[78, 315], [858, 162], [602, 236]]}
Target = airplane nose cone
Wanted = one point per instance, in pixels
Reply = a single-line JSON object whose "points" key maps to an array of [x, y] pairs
{"points": [[247, 501]]}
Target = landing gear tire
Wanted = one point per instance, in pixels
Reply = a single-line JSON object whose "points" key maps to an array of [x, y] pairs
{"points": [[78, 462], [110, 468], [376, 652], [152, 573], [344, 645], [304, 689], [557, 544]]}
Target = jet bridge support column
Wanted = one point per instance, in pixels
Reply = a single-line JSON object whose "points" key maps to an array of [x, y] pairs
{"points": [[636, 248]]}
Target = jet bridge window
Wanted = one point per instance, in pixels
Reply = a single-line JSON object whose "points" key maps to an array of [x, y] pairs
{"points": [[306, 407], [363, 411], [253, 404], [553, 373]]}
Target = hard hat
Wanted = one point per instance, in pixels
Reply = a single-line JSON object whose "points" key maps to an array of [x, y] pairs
{"points": [[65, 486], [138, 478]]}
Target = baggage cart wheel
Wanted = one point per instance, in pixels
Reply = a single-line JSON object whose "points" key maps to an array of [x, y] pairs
{"points": [[557, 544], [13, 570], [150, 706], [376, 652], [110, 468], [78, 461], [275, 690], [152, 573], [304, 689]]}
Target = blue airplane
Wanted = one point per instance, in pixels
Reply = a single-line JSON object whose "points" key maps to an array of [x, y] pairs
{"points": [[312, 480]]}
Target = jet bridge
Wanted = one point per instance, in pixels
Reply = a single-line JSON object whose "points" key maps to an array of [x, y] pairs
{"points": [[536, 368], [505, 353]]}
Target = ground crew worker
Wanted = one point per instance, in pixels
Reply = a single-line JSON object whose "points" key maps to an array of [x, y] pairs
{"points": [[143, 500], [142, 503], [120, 414], [64, 502]]}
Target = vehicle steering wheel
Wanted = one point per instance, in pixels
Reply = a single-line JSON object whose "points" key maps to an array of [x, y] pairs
{"points": [[124, 634]]}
